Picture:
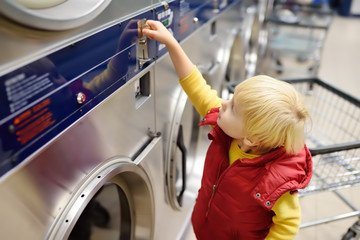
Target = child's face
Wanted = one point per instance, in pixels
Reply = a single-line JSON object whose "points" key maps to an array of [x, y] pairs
{"points": [[230, 119]]}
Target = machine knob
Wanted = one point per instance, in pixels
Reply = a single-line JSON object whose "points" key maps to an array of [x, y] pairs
{"points": [[166, 5], [195, 20], [80, 98]]}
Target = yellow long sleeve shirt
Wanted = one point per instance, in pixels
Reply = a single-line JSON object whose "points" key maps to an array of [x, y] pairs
{"points": [[286, 221]]}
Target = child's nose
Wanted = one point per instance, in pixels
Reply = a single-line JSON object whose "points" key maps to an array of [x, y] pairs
{"points": [[223, 105]]}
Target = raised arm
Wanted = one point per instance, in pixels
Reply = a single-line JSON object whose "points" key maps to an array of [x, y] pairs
{"points": [[182, 63], [201, 95]]}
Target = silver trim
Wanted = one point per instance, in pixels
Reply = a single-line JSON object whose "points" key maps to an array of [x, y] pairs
{"points": [[67, 15]]}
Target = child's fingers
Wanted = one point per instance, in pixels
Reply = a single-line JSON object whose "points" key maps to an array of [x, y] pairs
{"points": [[156, 31], [149, 33], [152, 24]]}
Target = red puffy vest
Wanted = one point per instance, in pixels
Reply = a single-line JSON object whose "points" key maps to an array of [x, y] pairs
{"points": [[235, 202]]}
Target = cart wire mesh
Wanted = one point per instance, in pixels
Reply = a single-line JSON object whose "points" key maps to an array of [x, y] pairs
{"points": [[334, 140], [334, 137]]}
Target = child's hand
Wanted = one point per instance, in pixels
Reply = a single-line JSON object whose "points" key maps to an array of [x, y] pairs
{"points": [[158, 32]]}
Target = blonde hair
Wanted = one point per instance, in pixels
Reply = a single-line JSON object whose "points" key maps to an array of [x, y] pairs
{"points": [[274, 113]]}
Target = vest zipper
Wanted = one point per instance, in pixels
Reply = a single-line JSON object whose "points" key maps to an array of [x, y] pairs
{"points": [[209, 203], [215, 187]]}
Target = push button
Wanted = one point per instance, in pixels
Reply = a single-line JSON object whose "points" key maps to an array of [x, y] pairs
{"points": [[80, 98]]}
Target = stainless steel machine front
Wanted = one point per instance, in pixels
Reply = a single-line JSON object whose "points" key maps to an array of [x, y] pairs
{"points": [[97, 138], [184, 143], [79, 152], [110, 145]]}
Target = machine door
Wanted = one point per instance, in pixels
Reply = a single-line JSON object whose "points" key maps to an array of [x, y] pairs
{"points": [[115, 201], [254, 37], [228, 47], [182, 149], [187, 142], [52, 15], [106, 216], [235, 70]]}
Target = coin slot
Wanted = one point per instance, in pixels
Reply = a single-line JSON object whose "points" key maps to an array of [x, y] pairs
{"points": [[142, 89], [213, 28]]}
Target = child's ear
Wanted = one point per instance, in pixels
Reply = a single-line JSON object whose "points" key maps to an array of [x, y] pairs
{"points": [[250, 142]]}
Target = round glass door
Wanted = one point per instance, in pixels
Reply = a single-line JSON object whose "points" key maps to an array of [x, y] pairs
{"points": [[50, 16], [107, 216], [183, 144], [235, 70], [115, 201], [255, 38]]}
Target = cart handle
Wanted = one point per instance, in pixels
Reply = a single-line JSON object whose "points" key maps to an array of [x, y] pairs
{"points": [[335, 148]]}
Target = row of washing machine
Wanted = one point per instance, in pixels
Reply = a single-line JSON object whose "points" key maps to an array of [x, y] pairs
{"points": [[98, 140]]}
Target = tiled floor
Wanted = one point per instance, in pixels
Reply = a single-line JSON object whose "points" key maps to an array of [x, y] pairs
{"points": [[341, 54], [327, 205], [339, 67]]}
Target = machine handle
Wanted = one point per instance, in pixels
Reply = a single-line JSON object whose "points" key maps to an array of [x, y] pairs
{"points": [[181, 146]]}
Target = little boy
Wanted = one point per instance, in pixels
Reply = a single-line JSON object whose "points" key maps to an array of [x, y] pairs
{"points": [[257, 158]]}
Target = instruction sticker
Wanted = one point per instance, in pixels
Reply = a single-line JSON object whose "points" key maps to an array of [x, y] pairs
{"points": [[21, 88]]}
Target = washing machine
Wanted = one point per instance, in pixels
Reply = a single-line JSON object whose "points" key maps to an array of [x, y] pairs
{"points": [[176, 118], [80, 155], [206, 33], [97, 138]]}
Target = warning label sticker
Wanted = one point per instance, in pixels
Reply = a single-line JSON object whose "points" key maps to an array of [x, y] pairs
{"points": [[32, 122]]}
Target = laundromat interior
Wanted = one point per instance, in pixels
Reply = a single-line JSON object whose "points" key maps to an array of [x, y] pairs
{"points": [[99, 141]]}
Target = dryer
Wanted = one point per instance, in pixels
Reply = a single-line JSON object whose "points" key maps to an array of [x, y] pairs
{"points": [[80, 154], [177, 120], [201, 32], [93, 122]]}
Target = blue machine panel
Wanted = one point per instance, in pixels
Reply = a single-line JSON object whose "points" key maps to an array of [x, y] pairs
{"points": [[191, 14], [40, 100]]}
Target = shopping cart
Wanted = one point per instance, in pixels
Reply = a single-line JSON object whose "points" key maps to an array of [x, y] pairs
{"points": [[296, 34], [334, 142]]}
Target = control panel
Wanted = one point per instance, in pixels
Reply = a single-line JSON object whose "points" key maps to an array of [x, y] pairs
{"points": [[166, 16], [40, 100]]}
